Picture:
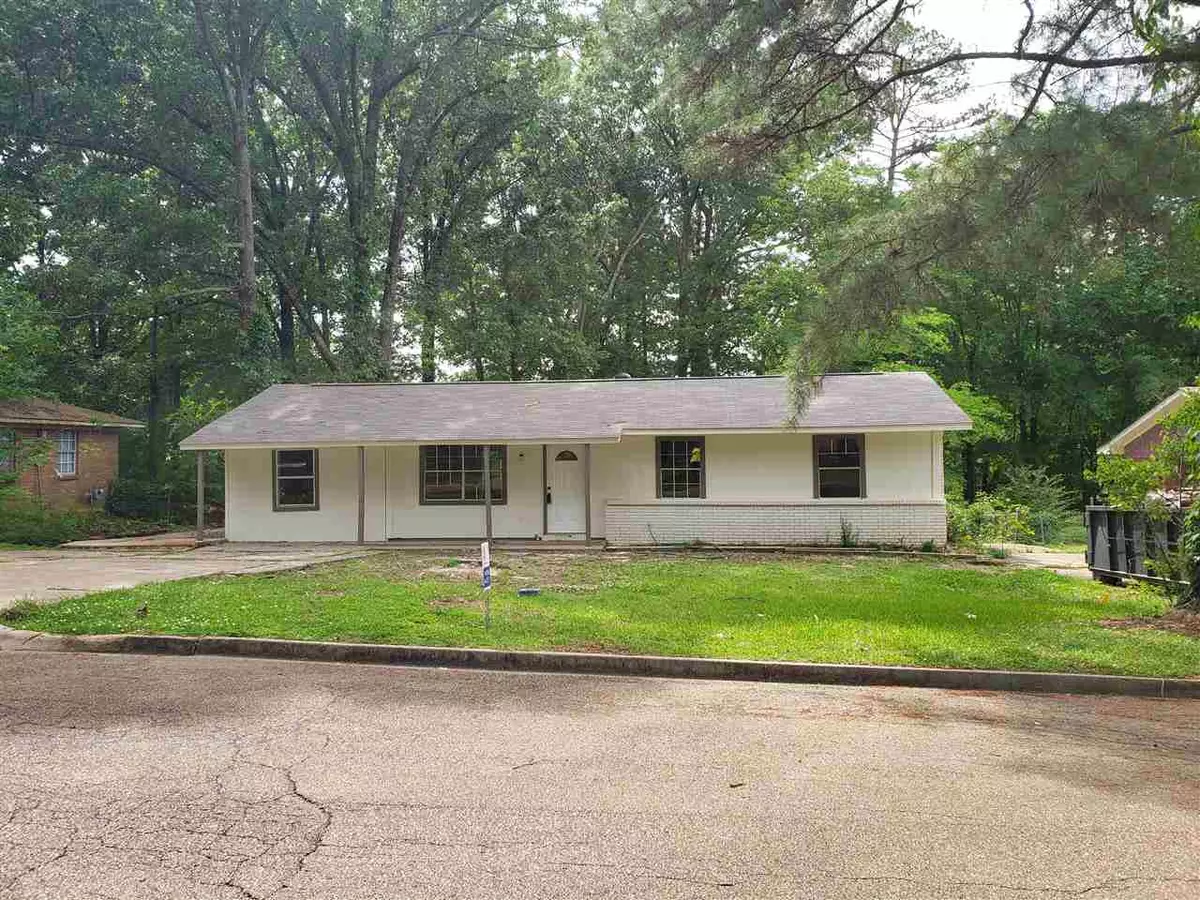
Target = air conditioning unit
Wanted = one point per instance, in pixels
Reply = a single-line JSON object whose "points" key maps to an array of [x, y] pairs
{"points": [[96, 496]]}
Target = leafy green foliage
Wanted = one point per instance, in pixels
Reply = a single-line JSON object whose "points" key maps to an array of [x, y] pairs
{"points": [[988, 520], [545, 190], [1043, 495], [26, 521]]}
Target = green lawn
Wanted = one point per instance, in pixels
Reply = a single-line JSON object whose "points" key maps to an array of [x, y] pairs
{"points": [[924, 613]]}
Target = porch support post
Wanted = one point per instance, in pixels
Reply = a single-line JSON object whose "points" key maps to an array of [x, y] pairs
{"points": [[200, 495], [545, 494], [487, 489], [587, 492], [362, 495]]}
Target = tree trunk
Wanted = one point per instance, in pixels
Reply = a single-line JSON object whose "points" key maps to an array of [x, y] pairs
{"points": [[247, 282], [287, 331], [154, 436], [968, 459]]}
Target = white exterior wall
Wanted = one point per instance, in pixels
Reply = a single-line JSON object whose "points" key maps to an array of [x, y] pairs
{"points": [[815, 522], [249, 512], [759, 490], [520, 517]]}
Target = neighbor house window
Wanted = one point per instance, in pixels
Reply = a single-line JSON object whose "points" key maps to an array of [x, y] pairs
{"points": [[8, 450], [453, 473], [838, 460], [295, 479], [66, 455], [681, 468]]}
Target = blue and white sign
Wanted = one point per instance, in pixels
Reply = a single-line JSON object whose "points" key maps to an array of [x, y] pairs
{"points": [[485, 555]]}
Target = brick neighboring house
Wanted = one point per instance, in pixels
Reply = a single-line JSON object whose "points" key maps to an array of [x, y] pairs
{"points": [[1139, 439], [83, 446]]}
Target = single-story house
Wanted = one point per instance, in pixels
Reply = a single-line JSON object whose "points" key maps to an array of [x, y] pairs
{"points": [[1139, 439], [81, 445], [632, 461]]}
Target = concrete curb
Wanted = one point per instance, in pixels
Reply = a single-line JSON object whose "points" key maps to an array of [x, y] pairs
{"points": [[606, 664]]}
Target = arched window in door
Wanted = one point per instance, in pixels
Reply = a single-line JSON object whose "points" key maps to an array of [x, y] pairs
{"points": [[566, 456]]}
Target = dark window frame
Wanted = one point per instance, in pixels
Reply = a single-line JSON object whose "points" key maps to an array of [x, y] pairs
{"points": [[502, 449], [658, 466], [861, 468], [316, 480]]}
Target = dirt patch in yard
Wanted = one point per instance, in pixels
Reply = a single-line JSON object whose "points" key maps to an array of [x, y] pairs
{"points": [[452, 602], [1177, 621]]}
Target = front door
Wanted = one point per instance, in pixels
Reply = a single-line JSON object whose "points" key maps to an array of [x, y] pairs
{"points": [[565, 506]]}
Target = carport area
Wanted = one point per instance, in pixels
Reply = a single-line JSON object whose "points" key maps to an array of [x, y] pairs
{"points": [[52, 574]]}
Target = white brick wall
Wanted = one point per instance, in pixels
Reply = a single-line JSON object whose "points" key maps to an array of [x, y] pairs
{"points": [[907, 523]]}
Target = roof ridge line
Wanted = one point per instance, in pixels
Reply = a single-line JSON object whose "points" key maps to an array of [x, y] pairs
{"points": [[548, 381]]}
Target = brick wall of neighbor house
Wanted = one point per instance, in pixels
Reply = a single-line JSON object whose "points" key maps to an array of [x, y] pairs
{"points": [[1143, 445], [908, 522], [95, 466]]}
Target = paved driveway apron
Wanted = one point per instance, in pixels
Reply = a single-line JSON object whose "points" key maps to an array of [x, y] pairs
{"points": [[140, 777], [43, 575]]}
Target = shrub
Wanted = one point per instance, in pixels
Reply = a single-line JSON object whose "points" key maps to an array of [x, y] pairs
{"points": [[1044, 496], [989, 519], [142, 500], [26, 520]]}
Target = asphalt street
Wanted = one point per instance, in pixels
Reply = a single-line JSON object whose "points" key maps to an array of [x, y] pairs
{"points": [[153, 777]]}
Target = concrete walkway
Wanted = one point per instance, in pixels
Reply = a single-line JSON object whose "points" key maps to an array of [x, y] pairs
{"points": [[1032, 556], [47, 575]]}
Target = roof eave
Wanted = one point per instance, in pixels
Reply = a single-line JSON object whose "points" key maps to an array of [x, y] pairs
{"points": [[192, 443], [1146, 421], [68, 423]]}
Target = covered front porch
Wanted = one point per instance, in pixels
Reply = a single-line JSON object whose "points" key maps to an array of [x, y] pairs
{"points": [[408, 492]]}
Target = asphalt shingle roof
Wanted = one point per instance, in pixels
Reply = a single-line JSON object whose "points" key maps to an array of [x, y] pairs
{"points": [[552, 411], [39, 411]]}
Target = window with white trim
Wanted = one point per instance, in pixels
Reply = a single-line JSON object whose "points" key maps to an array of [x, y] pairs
{"points": [[295, 479], [66, 453], [453, 474], [838, 466]]}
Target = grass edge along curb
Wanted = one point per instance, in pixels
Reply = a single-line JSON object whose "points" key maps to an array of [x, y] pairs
{"points": [[610, 664]]}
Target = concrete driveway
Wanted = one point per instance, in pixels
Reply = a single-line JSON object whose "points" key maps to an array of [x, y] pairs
{"points": [[43, 575], [141, 777]]}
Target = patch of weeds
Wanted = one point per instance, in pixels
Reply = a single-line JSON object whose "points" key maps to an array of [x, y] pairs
{"points": [[929, 547], [848, 537], [18, 611], [452, 562], [997, 553]]}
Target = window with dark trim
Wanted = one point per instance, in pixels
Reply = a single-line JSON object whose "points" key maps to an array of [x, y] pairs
{"points": [[453, 474], [838, 466], [295, 479], [680, 468]]}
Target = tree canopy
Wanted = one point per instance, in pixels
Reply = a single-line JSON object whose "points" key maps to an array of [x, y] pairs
{"points": [[203, 197]]}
